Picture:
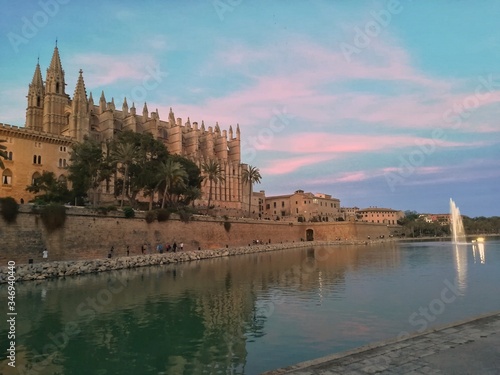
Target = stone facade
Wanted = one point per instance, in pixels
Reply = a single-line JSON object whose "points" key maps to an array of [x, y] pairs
{"points": [[87, 235], [381, 215], [309, 206], [54, 120]]}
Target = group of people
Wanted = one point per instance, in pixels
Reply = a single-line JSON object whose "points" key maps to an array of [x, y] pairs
{"points": [[160, 248], [146, 249]]}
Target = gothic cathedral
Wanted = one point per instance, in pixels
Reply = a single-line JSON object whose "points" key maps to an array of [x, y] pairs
{"points": [[54, 121]]}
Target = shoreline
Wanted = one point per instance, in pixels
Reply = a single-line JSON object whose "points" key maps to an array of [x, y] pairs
{"points": [[453, 348], [56, 269]]}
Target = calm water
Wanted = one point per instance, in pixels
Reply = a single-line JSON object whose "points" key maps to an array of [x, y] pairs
{"points": [[248, 314]]}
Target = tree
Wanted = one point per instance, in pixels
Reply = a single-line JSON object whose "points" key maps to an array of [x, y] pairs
{"points": [[190, 191], [143, 172], [53, 190], [251, 176], [87, 168], [173, 174], [213, 173], [3, 153], [124, 153]]}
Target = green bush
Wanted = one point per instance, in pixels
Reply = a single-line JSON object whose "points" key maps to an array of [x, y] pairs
{"points": [[184, 215], [162, 214], [10, 209], [150, 216], [129, 212], [53, 216]]}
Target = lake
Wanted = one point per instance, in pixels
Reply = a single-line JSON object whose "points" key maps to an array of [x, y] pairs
{"points": [[248, 314]]}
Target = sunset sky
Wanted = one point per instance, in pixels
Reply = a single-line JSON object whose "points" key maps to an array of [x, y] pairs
{"points": [[378, 103]]}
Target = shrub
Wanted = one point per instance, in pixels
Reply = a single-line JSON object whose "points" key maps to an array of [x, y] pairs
{"points": [[10, 209], [162, 214], [129, 212], [53, 216], [185, 214], [150, 216], [227, 226]]}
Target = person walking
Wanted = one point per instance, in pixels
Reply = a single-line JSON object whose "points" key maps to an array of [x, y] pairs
{"points": [[45, 253], [181, 246], [174, 246]]}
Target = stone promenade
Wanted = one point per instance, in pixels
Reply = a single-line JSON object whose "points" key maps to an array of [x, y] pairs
{"points": [[467, 347]]}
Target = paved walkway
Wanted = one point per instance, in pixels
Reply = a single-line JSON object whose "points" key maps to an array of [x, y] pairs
{"points": [[468, 347]]}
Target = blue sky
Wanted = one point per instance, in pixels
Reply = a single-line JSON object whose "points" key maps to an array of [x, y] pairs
{"points": [[379, 103]]}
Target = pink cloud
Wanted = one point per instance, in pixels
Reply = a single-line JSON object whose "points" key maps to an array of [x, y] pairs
{"points": [[289, 165], [101, 69]]}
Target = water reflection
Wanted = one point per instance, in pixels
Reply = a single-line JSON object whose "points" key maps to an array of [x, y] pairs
{"points": [[460, 257], [228, 315], [478, 251]]}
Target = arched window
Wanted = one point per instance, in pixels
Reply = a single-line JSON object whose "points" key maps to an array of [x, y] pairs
{"points": [[60, 163], [34, 177], [38, 101], [64, 162], [7, 177], [57, 87], [10, 155], [39, 159], [34, 159]]}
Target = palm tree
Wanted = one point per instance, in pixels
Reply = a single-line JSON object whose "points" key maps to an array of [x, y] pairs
{"points": [[191, 194], [251, 175], [124, 153], [3, 154], [173, 174], [214, 173]]}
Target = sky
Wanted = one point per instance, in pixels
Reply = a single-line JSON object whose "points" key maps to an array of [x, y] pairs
{"points": [[379, 103]]}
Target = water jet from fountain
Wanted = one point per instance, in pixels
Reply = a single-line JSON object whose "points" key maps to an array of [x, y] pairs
{"points": [[456, 224]]}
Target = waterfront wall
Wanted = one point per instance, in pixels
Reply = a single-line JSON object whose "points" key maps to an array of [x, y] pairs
{"points": [[87, 235]]}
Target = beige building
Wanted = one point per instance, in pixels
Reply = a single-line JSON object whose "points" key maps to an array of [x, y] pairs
{"points": [[308, 206], [350, 213], [380, 215], [54, 121]]}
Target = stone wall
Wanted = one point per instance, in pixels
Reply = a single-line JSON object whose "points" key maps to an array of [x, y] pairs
{"points": [[87, 235]]}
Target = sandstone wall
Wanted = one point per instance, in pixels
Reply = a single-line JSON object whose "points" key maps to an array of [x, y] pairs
{"points": [[88, 236]]}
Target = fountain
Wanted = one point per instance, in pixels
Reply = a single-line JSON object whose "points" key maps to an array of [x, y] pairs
{"points": [[457, 226]]}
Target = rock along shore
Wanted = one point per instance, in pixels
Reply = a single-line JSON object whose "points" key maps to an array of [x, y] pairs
{"points": [[47, 270]]}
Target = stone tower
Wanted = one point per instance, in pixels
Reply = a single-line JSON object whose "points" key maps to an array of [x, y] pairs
{"points": [[55, 99], [79, 118], [36, 92]]}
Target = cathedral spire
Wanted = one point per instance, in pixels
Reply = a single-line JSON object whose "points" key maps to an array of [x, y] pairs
{"points": [[102, 102], [79, 118], [55, 63], [171, 117], [125, 106], [36, 92], [37, 77], [91, 102], [80, 92], [55, 98]]}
